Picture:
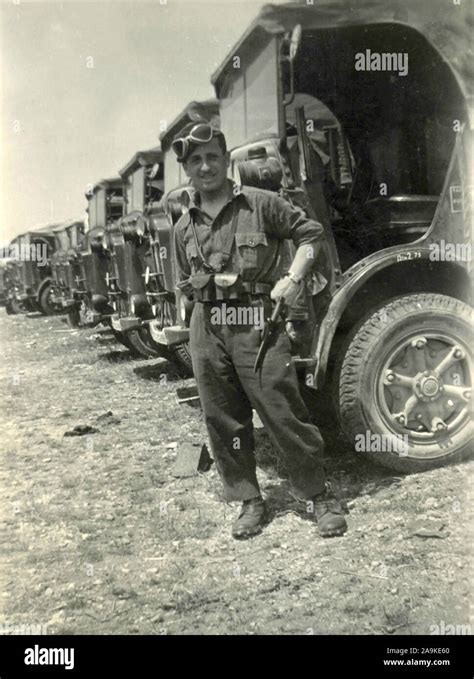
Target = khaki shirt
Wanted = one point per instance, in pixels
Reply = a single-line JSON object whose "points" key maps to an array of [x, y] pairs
{"points": [[260, 252]]}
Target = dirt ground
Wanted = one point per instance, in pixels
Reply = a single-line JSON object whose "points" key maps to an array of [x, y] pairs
{"points": [[101, 539]]}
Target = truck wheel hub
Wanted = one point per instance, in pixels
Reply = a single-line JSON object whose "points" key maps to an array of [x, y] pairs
{"points": [[425, 386]]}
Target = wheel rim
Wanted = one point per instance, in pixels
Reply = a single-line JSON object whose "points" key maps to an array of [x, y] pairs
{"points": [[424, 387]]}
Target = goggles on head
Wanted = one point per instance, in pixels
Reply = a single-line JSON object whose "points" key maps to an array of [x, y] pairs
{"points": [[201, 133]]}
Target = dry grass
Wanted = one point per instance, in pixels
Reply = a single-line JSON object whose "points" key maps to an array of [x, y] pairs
{"points": [[100, 538]]}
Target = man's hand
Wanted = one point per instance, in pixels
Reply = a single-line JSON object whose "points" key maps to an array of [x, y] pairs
{"points": [[286, 288]]}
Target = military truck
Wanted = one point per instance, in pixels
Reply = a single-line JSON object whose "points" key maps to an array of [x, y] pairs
{"points": [[148, 304], [129, 243], [361, 117], [8, 282], [32, 252], [148, 262], [66, 269], [3, 281], [87, 295], [104, 209]]}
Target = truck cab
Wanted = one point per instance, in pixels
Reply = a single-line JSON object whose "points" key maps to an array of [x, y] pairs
{"points": [[32, 252], [364, 120], [66, 266]]}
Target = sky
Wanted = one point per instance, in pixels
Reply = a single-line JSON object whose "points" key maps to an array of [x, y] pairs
{"points": [[84, 85]]}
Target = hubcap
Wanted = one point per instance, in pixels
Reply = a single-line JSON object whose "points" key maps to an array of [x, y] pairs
{"points": [[425, 387], [429, 386]]}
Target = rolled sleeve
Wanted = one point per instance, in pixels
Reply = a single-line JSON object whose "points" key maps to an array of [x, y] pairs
{"points": [[288, 221]]}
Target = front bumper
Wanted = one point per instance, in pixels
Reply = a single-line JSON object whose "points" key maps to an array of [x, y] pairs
{"points": [[175, 334], [125, 323]]}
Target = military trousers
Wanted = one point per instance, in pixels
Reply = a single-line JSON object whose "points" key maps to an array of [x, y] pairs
{"points": [[223, 356]]}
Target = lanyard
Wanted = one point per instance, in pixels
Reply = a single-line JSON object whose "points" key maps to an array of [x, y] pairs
{"points": [[226, 250]]}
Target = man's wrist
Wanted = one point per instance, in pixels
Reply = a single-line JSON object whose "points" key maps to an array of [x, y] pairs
{"points": [[293, 277]]}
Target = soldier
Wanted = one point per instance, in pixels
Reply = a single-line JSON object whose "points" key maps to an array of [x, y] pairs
{"points": [[228, 248]]}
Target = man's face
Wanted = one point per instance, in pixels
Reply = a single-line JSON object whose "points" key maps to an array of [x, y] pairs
{"points": [[207, 166]]}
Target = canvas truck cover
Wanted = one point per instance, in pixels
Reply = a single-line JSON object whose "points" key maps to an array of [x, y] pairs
{"points": [[140, 158], [447, 27]]}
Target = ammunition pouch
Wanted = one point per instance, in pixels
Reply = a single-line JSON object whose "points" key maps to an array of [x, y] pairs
{"points": [[208, 287]]}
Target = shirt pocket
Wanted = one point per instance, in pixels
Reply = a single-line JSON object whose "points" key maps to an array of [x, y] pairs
{"points": [[252, 249]]}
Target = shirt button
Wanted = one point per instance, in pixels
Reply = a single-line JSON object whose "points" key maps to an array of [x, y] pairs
{"points": [[251, 242]]}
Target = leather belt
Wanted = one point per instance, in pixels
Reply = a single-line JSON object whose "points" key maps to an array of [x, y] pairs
{"points": [[257, 288], [210, 287]]}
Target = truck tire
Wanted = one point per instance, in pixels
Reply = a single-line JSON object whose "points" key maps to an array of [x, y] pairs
{"points": [[143, 342], [182, 357], [404, 383], [46, 306], [125, 339]]}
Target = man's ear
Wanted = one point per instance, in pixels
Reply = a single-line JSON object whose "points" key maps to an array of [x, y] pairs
{"points": [[227, 159]]}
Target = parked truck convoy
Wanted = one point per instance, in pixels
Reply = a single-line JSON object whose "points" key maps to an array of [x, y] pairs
{"points": [[30, 287], [381, 157]]}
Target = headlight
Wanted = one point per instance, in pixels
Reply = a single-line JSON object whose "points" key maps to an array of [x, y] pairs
{"points": [[133, 227]]}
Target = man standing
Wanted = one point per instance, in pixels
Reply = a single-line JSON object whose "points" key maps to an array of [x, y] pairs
{"points": [[228, 250]]}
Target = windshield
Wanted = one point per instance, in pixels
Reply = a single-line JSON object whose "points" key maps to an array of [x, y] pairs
{"points": [[63, 239], [73, 234], [97, 209], [136, 190], [249, 95]]}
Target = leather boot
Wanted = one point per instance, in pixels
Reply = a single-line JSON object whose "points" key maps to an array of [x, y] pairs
{"points": [[329, 513], [251, 519]]}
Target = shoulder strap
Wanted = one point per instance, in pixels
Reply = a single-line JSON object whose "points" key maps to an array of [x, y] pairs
{"points": [[226, 252], [205, 263]]}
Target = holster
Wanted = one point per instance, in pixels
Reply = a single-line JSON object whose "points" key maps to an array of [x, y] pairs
{"points": [[203, 287], [210, 287], [228, 286]]}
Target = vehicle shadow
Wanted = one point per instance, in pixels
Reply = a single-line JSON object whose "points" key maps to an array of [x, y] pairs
{"points": [[119, 357], [158, 372], [105, 339]]}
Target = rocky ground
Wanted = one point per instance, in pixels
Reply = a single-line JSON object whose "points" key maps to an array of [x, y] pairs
{"points": [[100, 538]]}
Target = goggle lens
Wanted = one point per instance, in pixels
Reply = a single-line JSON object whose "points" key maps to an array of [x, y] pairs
{"points": [[200, 134]]}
